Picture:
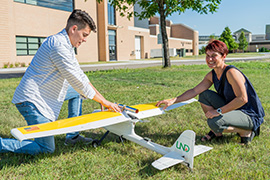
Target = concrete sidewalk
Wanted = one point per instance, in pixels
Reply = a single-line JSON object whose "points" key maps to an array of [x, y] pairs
{"points": [[132, 64]]}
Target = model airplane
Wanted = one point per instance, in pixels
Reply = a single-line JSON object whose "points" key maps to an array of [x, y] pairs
{"points": [[123, 124]]}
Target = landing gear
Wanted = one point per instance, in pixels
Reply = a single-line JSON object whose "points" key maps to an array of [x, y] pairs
{"points": [[97, 142], [122, 140]]}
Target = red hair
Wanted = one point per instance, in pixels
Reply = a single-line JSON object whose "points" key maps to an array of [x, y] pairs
{"points": [[217, 46]]}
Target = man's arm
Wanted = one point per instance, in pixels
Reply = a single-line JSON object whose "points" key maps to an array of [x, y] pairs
{"points": [[97, 92], [70, 70]]}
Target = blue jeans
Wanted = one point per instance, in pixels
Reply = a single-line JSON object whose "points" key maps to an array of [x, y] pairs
{"points": [[32, 116], [74, 107], [38, 145]]}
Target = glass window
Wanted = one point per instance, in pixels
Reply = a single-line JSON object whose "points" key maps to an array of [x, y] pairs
{"points": [[65, 5], [32, 40], [28, 45], [32, 52], [112, 44], [21, 46], [111, 14], [21, 39], [34, 2], [21, 52]]}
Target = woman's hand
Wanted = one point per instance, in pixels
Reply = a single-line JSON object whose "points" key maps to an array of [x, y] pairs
{"points": [[167, 102], [211, 114]]}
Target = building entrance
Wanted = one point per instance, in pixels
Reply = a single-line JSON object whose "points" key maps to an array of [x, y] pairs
{"points": [[138, 47], [112, 45]]}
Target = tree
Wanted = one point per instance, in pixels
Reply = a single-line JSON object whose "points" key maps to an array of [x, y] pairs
{"points": [[212, 37], [242, 41], [202, 50], [228, 39], [164, 8]]}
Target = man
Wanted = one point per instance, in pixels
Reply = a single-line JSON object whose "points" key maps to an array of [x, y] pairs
{"points": [[43, 88]]}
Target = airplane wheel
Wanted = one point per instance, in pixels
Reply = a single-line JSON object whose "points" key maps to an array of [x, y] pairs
{"points": [[95, 143]]}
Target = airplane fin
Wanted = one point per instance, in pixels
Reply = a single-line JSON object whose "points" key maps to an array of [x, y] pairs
{"points": [[181, 151], [168, 160], [199, 149], [184, 146]]}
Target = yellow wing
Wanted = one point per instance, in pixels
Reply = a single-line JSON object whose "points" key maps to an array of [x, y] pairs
{"points": [[149, 110], [89, 121]]}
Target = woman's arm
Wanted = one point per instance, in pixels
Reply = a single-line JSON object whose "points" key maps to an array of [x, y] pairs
{"points": [[237, 81], [202, 86]]}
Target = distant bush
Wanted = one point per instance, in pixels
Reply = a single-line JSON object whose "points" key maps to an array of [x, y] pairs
{"points": [[263, 49], [6, 65], [17, 64]]}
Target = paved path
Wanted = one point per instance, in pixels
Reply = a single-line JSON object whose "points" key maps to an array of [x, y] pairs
{"points": [[132, 64]]}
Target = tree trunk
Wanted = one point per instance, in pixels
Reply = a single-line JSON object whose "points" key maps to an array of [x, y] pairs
{"points": [[166, 57]]}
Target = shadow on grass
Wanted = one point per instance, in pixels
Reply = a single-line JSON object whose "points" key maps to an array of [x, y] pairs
{"points": [[13, 159], [10, 159]]}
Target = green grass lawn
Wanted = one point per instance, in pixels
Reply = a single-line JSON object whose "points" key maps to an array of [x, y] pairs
{"points": [[202, 56], [112, 160]]}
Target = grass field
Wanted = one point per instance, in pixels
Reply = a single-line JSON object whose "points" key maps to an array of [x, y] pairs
{"points": [[111, 160]]}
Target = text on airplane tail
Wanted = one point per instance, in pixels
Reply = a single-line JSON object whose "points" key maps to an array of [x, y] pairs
{"points": [[184, 147]]}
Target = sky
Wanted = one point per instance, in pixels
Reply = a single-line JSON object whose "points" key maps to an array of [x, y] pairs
{"points": [[252, 15]]}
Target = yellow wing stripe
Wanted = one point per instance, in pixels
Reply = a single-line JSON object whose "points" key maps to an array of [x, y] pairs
{"points": [[68, 122], [79, 120], [145, 107]]}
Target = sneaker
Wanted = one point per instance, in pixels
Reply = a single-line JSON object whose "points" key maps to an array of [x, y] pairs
{"points": [[78, 139]]}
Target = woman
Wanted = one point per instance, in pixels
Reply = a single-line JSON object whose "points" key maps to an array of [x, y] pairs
{"points": [[235, 107]]}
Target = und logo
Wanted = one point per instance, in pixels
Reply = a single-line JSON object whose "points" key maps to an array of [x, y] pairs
{"points": [[184, 147]]}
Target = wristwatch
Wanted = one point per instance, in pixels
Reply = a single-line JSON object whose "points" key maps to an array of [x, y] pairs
{"points": [[219, 111]]}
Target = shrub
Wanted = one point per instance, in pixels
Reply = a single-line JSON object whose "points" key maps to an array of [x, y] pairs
{"points": [[6, 65], [263, 49], [17, 64]]}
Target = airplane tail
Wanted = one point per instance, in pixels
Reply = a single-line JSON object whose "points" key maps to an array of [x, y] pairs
{"points": [[184, 146], [181, 151]]}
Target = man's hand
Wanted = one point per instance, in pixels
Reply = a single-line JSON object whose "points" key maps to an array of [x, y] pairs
{"points": [[101, 107], [111, 106]]}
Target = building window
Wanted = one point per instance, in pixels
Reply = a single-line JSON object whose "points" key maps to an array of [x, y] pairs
{"points": [[65, 5], [112, 45], [26, 46], [111, 14]]}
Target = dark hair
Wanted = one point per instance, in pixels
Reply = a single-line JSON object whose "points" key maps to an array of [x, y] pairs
{"points": [[81, 19], [217, 46]]}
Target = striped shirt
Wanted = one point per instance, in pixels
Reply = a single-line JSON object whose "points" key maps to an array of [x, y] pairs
{"points": [[46, 80]]}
